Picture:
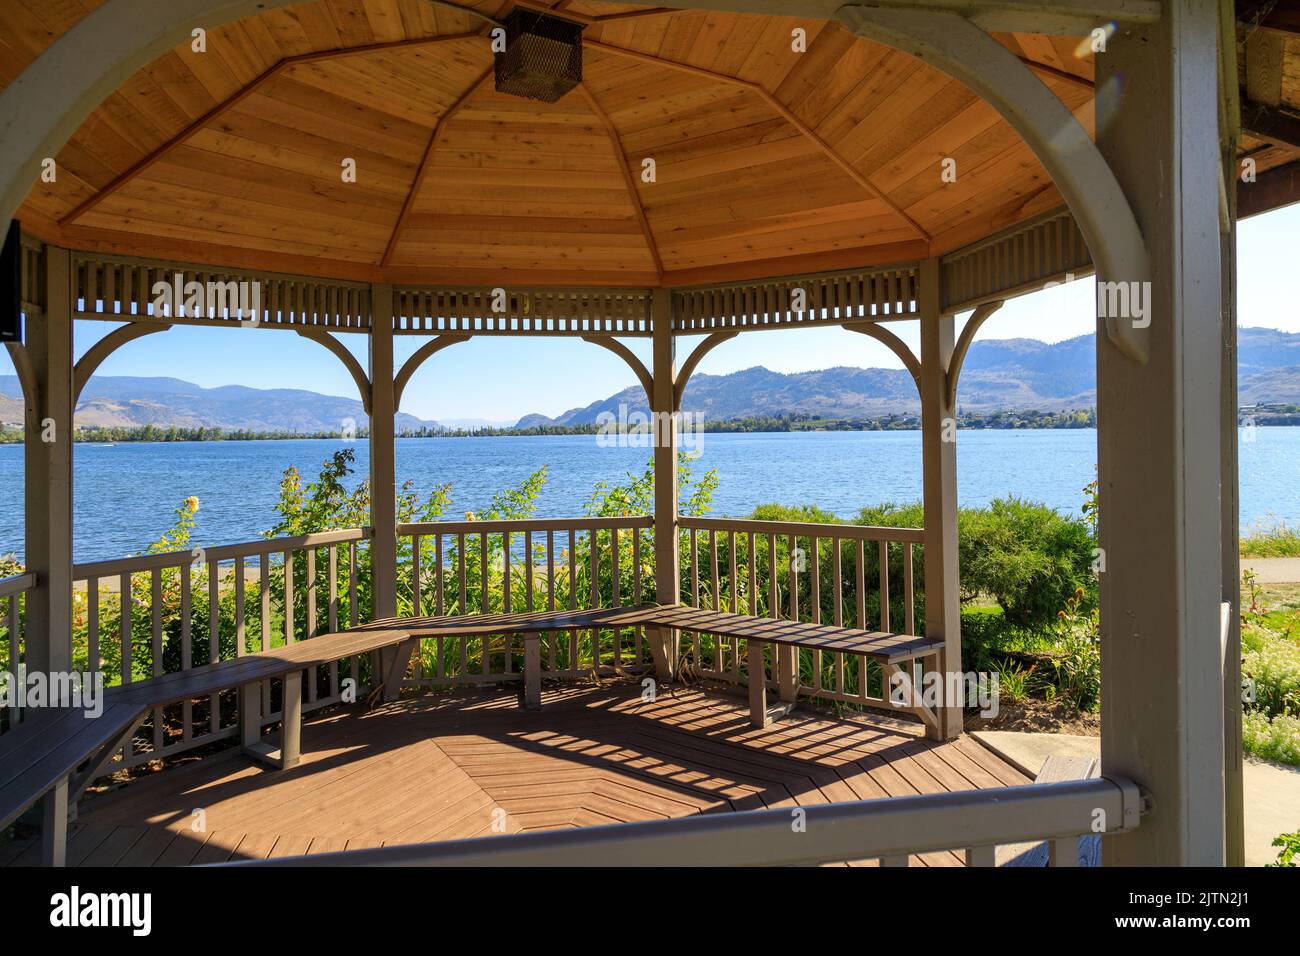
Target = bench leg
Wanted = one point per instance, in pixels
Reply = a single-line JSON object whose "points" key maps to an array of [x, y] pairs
{"points": [[394, 661], [663, 650], [532, 672], [250, 715], [291, 721], [757, 684], [54, 825], [787, 667]]}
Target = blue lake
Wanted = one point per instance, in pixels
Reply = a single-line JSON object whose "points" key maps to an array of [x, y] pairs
{"points": [[126, 494]]}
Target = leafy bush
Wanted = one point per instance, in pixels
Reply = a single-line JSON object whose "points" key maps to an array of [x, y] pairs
{"points": [[1276, 739], [1030, 558], [1290, 849], [1077, 655]]}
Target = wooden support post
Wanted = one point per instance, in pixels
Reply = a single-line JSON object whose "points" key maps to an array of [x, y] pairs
{"points": [[291, 721], [1229, 503], [532, 672], [939, 464], [664, 641], [383, 477], [47, 451], [1160, 454]]}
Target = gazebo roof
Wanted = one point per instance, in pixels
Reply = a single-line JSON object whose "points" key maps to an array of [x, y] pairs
{"points": [[767, 161]]}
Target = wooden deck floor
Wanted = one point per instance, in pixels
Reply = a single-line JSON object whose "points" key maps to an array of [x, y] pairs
{"points": [[470, 764]]}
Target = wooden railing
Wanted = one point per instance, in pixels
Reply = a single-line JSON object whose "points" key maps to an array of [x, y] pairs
{"points": [[141, 617], [480, 567], [846, 575], [891, 830], [13, 598]]}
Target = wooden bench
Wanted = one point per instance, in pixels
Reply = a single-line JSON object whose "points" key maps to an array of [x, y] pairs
{"points": [[56, 746], [891, 651]]}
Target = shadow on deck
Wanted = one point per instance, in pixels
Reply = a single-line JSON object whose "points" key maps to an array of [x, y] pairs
{"points": [[451, 766]]}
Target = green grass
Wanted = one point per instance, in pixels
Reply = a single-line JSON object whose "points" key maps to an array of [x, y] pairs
{"points": [[1275, 541]]}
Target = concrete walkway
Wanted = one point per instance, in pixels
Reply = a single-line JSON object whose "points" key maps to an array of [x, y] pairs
{"points": [[1274, 570], [1272, 790]]}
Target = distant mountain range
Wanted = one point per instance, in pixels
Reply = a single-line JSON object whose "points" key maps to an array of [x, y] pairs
{"points": [[124, 401], [998, 375], [1003, 374]]}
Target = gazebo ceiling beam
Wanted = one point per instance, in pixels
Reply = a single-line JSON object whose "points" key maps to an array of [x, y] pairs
{"points": [[423, 170], [780, 108], [620, 157], [1273, 124], [234, 100]]}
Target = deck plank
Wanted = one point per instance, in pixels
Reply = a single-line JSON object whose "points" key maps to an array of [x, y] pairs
{"points": [[446, 766]]}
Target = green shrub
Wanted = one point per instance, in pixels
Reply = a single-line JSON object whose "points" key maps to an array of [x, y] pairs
{"points": [[1276, 739], [1272, 667], [1290, 849], [1030, 558], [1271, 541]]}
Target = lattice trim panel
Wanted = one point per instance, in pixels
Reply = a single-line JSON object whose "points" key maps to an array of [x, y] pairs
{"points": [[827, 299], [501, 311], [32, 277], [1014, 261], [119, 289]]}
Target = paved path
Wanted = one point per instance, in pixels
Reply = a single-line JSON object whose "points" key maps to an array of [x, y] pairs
{"points": [[1274, 570], [1272, 790]]}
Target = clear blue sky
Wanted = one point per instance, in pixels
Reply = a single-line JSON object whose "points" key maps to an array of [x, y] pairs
{"points": [[502, 378]]}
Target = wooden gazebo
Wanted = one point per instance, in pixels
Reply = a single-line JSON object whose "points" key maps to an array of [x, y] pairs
{"points": [[722, 168]]}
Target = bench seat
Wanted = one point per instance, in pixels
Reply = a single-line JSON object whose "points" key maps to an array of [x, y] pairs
{"points": [[63, 750]]}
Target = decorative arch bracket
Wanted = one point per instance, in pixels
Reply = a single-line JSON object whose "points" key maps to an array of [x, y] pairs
{"points": [[968, 332], [347, 358], [958, 47], [413, 363], [893, 343], [627, 355], [693, 361], [105, 347]]}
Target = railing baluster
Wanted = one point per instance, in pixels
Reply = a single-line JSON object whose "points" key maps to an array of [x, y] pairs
{"points": [[333, 613], [507, 640], [909, 598], [311, 631], [550, 588], [187, 644], [214, 642], [155, 649], [92, 627], [417, 609], [15, 658], [884, 586], [440, 645], [289, 636]]}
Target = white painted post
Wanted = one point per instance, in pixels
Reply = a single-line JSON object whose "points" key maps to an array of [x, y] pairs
{"points": [[48, 490], [1160, 456], [664, 641], [939, 466], [1230, 517]]}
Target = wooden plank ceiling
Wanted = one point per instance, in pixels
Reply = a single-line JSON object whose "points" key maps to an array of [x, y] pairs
{"points": [[768, 161]]}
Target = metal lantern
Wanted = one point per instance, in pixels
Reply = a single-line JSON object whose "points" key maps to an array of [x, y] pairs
{"points": [[542, 58]]}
